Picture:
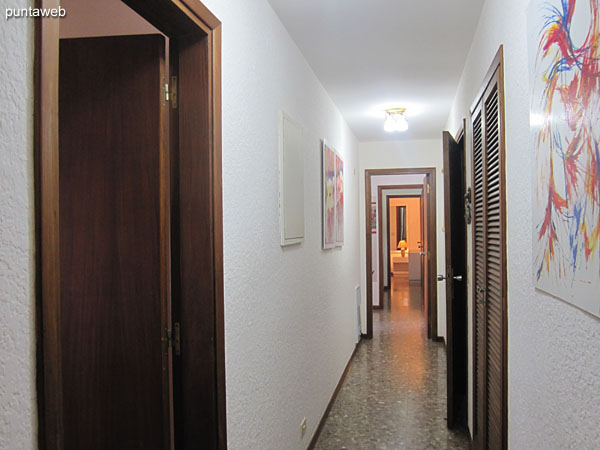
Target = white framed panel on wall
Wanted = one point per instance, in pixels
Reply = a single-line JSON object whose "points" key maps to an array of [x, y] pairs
{"points": [[291, 180]]}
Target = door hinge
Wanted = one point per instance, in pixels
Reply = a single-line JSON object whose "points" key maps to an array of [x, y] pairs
{"points": [[165, 89], [168, 339], [170, 92], [173, 338], [428, 189], [468, 206]]}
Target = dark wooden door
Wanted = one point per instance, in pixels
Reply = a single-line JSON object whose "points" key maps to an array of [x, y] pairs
{"points": [[489, 268], [421, 242], [455, 276], [425, 256], [114, 244]]}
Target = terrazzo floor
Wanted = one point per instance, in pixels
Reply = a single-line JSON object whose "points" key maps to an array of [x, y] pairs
{"points": [[394, 396]]}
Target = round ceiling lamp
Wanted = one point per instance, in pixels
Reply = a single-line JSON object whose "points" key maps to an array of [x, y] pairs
{"points": [[395, 120]]}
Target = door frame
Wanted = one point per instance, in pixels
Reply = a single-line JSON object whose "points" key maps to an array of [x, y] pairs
{"points": [[430, 173], [380, 191], [175, 19]]}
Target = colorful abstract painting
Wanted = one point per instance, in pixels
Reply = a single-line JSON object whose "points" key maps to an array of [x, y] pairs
{"points": [[339, 200], [373, 218], [329, 196], [564, 61]]}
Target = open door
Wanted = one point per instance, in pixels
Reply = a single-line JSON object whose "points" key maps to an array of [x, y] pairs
{"points": [[455, 276], [114, 245], [425, 256]]}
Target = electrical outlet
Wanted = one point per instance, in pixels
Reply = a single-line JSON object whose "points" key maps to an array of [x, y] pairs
{"points": [[302, 428]]}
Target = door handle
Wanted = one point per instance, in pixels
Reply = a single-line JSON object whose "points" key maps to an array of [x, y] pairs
{"points": [[443, 277]]}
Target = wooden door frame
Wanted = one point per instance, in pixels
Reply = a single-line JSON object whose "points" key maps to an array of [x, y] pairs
{"points": [[432, 236], [175, 19], [450, 356], [496, 66], [380, 191]]}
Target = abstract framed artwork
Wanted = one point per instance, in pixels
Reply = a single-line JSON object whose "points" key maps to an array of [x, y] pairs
{"points": [[373, 217], [333, 197], [339, 200], [329, 196], [564, 63]]}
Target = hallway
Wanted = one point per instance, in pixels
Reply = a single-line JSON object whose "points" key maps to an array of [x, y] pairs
{"points": [[394, 396]]}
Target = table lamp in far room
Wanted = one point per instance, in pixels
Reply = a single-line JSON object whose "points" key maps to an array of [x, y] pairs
{"points": [[402, 246]]}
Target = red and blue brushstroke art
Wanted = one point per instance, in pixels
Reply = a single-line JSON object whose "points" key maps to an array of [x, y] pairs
{"points": [[564, 40]]}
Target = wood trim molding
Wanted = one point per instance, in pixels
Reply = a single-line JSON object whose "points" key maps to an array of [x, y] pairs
{"points": [[473, 286], [49, 377], [380, 247], [369, 256], [399, 187], [315, 438], [430, 172], [217, 217], [175, 18], [460, 134], [497, 62], [502, 110]]}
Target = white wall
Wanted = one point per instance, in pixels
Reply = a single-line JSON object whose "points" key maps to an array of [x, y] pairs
{"points": [[553, 363], [18, 420], [290, 313], [396, 155]]}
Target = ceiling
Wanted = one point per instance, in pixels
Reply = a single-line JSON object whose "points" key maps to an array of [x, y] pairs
{"points": [[376, 54]]}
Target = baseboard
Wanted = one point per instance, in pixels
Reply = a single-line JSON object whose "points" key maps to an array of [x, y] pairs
{"points": [[439, 339], [377, 306], [317, 433]]}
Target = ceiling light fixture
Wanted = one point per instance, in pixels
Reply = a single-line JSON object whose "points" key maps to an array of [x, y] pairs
{"points": [[395, 120]]}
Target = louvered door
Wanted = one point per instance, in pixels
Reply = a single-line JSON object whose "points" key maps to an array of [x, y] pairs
{"points": [[489, 267]]}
